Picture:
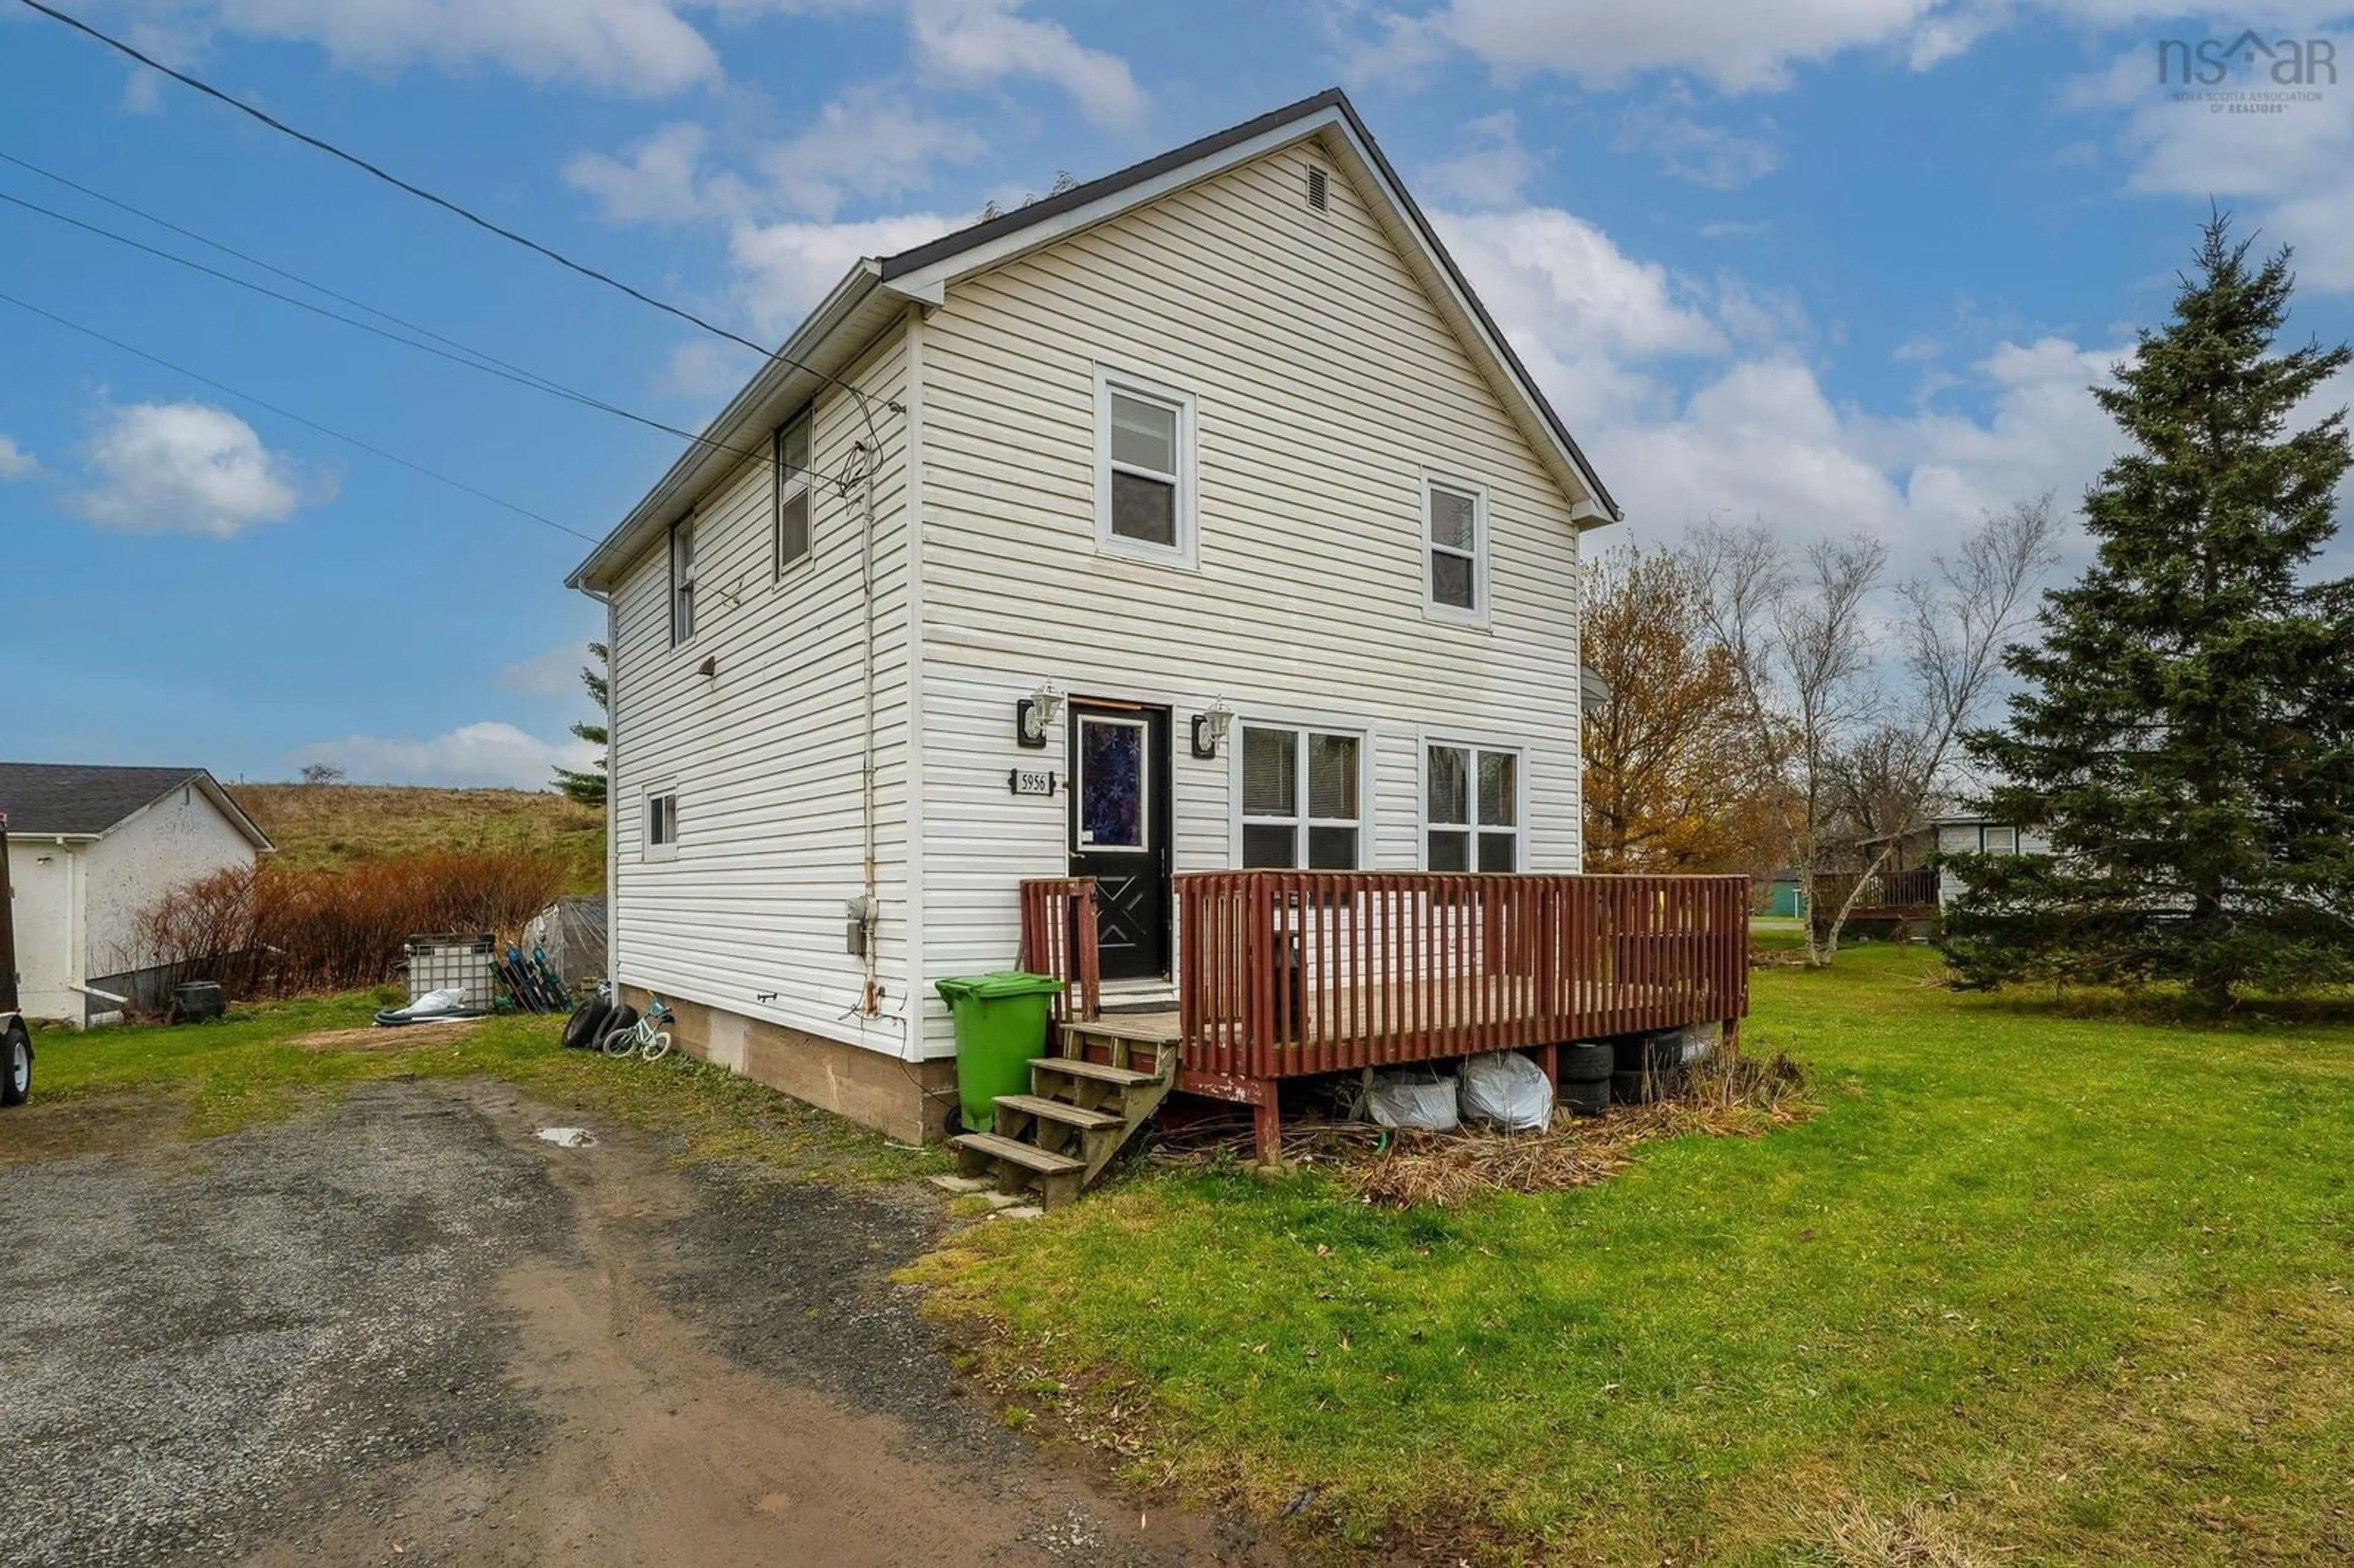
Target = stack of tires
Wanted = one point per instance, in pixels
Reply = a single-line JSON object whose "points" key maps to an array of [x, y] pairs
{"points": [[595, 1019], [1585, 1069], [1645, 1067]]}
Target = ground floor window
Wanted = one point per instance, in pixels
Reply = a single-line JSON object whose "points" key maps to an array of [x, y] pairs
{"points": [[1472, 808], [662, 823], [1300, 792]]}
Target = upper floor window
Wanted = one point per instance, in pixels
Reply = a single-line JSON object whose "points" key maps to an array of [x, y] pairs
{"points": [[792, 459], [1300, 792], [1471, 809], [1998, 840], [1144, 469], [1454, 542], [681, 581]]}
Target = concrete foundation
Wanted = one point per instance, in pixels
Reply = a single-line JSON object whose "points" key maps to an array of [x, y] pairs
{"points": [[909, 1101]]}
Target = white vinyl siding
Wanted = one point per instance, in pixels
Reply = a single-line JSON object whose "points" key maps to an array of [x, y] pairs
{"points": [[1325, 389], [765, 753]]}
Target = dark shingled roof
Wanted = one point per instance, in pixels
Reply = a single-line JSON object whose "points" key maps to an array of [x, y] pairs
{"points": [[74, 798]]}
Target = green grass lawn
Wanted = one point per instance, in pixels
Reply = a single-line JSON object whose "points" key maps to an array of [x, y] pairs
{"points": [[2029, 1288], [229, 1074]]}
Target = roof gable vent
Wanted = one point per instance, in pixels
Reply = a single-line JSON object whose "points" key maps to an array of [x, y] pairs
{"points": [[1318, 197]]}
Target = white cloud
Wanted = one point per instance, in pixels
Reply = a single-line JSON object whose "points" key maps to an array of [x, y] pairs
{"points": [[871, 141], [636, 47], [16, 463], [1491, 170], [1690, 149], [188, 468], [1740, 46], [706, 368], [975, 43], [554, 672], [2292, 170], [492, 753], [788, 267], [1613, 340], [1585, 315], [656, 183]]}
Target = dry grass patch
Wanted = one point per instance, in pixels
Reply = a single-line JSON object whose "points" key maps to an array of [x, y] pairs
{"points": [[337, 825]]}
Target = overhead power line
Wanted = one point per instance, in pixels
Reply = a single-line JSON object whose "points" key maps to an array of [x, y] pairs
{"points": [[223, 386], [378, 172], [470, 357]]}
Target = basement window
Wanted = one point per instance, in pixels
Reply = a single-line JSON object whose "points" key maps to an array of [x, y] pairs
{"points": [[1144, 469], [792, 490]]}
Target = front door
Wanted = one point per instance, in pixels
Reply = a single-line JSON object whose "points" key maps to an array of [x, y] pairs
{"points": [[1120, 831]]}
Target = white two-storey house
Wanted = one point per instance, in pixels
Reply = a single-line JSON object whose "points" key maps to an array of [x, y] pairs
{"points": [[1197, 517]]}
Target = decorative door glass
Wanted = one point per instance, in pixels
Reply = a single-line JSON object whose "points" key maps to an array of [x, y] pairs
{"points": [[1112, 786]]}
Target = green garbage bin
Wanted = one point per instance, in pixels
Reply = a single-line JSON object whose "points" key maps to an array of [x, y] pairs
{"points": [[1001, 1029]]}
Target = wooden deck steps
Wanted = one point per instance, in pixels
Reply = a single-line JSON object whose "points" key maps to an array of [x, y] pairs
{"points": [[1079, 1111]]}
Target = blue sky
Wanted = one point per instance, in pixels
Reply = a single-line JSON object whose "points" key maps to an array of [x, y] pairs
{"points": [[1839, 266]]}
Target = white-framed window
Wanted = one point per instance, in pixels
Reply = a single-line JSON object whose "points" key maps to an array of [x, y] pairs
{"points": [[1144, 469], [1471, 810], [793, 496], [1455, 549], [661, 822], [1302, 792], [682, 582], [1998, 840]]}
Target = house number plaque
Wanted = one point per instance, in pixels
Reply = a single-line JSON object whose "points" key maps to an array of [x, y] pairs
{"points": [[1030, 781]]}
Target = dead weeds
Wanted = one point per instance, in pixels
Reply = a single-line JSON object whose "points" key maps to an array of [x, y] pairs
{"points": [[1737, 1096], [406, 1037]]}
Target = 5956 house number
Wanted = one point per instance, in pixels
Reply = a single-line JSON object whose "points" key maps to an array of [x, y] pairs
{"points": [[1030, 781]]}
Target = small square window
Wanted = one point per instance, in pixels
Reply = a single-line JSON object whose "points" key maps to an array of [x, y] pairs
{"points": [[1999, 840], [662, 824], [1144, 469]]}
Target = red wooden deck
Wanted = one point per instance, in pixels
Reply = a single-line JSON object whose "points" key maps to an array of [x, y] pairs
{"points": [[1285, 974]]}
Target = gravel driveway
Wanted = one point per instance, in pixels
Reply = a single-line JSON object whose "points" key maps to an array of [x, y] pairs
{"points": [[407, 1332]]}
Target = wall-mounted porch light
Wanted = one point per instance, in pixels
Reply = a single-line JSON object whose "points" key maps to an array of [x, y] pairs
{"points": [[1210, 727], [1035, 716]]}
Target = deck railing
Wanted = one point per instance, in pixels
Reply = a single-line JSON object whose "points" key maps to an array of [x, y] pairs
{"points": [[1059, 938], [1914, 889], [1284, 973]]}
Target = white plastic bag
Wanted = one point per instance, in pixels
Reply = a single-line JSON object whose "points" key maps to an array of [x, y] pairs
{"points": [[1505, 1089], [1425, 1101]]}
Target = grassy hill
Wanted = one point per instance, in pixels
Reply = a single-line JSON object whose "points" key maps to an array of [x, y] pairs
{"points": [[335, 824]]}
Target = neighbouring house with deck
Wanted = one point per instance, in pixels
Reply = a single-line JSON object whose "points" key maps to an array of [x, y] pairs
{"points": [[1171, 583]]}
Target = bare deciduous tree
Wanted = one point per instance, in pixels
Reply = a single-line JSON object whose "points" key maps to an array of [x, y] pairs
{"points": [[1955, 625]]}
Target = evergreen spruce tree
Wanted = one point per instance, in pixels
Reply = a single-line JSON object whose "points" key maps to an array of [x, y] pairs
{"points": [[587, 786], [2184, 733]]}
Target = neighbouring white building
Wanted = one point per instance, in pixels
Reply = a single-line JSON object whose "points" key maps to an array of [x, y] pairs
{"points": [[89, 850], [1197, 517]]}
